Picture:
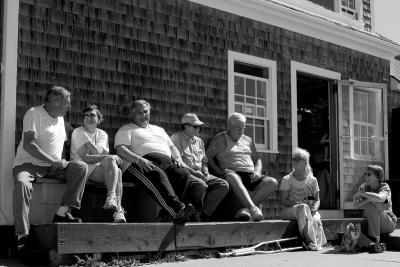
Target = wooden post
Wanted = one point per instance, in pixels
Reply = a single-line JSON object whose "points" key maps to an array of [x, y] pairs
{"points": [[8, 108]]}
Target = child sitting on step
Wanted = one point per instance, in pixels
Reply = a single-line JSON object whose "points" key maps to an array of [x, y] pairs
{"points": [[299, 193], [374, 197]]}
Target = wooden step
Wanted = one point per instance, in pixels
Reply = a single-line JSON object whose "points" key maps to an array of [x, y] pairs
{"points": [[147, 237]]}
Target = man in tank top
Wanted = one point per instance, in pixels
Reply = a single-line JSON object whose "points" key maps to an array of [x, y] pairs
{"points": [[233, 156]]}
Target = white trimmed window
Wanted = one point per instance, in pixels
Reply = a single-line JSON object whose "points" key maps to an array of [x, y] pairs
{"points": [[366, 124], [349, 8], [252, 92]]}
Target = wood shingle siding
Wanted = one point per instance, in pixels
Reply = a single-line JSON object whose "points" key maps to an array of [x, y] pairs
{"points": [[174, 53]]}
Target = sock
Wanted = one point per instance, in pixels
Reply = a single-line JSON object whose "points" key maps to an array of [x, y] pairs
{"points": [[62, 210]]}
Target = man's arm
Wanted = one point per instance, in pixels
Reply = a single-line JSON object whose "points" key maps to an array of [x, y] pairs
{"points": [[256, 159], [217, 145], [126, 154], [34, 150]]}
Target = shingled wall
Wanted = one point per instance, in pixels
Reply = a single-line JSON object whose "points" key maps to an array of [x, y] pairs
{"points": [[173, 53]]}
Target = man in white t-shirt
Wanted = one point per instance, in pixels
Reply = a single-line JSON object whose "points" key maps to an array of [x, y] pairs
{"points": [[151, 159], [39, 155]]}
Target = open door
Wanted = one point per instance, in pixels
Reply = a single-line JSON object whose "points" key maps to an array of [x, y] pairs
{"points": [[362, 117]]}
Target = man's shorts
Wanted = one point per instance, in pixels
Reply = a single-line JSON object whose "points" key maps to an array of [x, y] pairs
{"points": [[248, 181]]}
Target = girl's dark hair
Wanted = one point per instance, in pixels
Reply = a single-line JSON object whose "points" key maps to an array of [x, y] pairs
{"points": [[377, 171], [93, 108]]}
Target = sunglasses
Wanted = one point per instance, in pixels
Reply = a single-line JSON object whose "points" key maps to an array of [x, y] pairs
{"points": [[195, 126], [92, 116], [367, 174]]}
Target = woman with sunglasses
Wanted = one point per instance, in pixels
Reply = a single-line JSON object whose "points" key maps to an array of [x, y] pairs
{"points": [[90, 144], [374, 197], [299, 193]]}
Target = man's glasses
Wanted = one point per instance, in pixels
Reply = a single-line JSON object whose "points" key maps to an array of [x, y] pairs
{"points": [[195, 126], [91, 115], [367, 174]]}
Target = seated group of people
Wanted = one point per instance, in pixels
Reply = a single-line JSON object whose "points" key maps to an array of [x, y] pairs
{"points": [[174, 170]]}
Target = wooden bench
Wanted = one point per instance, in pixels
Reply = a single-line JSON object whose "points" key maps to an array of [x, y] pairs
{"points": [[47, 195]]}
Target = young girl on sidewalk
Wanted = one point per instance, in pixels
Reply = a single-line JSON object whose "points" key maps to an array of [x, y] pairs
{"points": [[374, 197], [300, 195]]}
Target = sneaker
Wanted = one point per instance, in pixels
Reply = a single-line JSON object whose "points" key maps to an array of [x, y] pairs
{"points": [[184, 214], [119, 216], [256, 214], [312, 247], [164, 216], [111, 203], [376, 247], [68, 218], [242, 215], [22, 245]]}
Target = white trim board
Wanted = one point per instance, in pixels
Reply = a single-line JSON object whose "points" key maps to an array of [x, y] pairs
{"points": [[304, 68], [291, 19], [8, 109]]}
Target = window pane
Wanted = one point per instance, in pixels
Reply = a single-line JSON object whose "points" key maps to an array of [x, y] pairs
{"points": [[357, 146], [250, 87], [259, 135], [356, 130], [260, 112], [364, 131], [239, 108], [250, 110], [249, 131], [261, 89], [239, 85], [364, 147], [250, 122], [259, 122], [261, 102], [250, 100], [371, 108], [239, 98]]}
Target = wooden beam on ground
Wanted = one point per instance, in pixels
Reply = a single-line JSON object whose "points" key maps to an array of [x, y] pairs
{"points": [[110, 237], [231, 234]]}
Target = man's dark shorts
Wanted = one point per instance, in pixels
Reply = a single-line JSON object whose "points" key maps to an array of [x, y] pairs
{"points": [[248, 181]]}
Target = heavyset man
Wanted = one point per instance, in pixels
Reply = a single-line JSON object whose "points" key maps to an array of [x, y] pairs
{"points": [[151, 159], [212, 189], [233, 155], [39, 154]]}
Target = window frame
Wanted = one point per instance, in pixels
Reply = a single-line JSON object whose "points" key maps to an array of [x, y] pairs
{"points": [[378, 125], [271, 110]]}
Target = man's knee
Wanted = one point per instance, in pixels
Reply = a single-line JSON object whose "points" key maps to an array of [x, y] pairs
{"points": [[270, 182], [233, 178], [77, 166], [109, 162]]}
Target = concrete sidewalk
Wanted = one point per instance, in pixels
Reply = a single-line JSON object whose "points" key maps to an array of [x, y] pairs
{"points": [[325, 257]]}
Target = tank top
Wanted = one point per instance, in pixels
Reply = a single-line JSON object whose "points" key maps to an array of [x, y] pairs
{"points": [[237, 155]]}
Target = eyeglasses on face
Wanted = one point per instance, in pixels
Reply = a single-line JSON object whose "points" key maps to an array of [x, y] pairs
{"points": [[91, 115], [367, 174], [195, 126]]}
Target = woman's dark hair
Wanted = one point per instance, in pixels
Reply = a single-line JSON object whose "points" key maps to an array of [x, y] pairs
{"points": [[377, 171], [93, 108]]}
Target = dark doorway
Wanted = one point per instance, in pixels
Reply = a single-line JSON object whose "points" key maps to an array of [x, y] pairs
{"points": [[314, 106]]}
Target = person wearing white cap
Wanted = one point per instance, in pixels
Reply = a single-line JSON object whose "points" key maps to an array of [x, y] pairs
{"points": [[205, 191], [233, 156]]}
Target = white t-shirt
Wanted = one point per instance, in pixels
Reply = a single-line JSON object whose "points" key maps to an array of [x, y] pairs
{"points": [[142, 141], [299, 190], [49, 135], [80, 137]]}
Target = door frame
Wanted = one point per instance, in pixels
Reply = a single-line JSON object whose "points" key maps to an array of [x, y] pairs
{"points": [[296, 67]]}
